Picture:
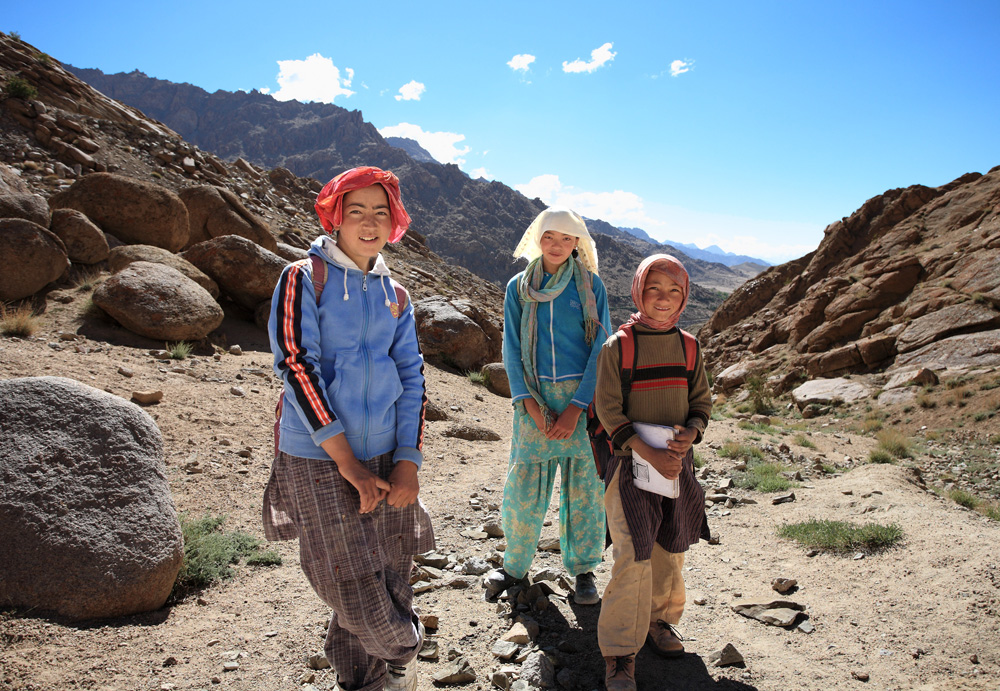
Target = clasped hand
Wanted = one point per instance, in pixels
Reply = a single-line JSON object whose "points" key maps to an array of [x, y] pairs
{"points": [[555, 427]]}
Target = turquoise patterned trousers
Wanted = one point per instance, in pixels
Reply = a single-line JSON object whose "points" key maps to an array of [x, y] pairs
{"points": [[528, 490]]}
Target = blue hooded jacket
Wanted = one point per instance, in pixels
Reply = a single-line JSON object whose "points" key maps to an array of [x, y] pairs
{"points": [[350, 364]]}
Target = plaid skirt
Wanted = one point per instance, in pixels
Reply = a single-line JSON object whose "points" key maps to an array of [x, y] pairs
{"points": [[309, 497]]}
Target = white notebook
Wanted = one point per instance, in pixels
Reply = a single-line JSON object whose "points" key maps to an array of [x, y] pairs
{"points": [[645, 476]]}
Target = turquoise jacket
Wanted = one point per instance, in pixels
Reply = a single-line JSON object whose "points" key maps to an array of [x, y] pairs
{"points": [[561, 351]]}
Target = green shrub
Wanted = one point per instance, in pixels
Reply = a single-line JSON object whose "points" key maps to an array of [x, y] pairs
{"points": [[761, 402], [18, 321], [841, 536], [476, 377], [16, 87], [991, 511], [803, 440], [210, 553]]}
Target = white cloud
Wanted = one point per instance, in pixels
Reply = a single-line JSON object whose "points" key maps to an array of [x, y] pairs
{"points": [[618, 208], [264, 90], [598, 56], [521, 62], [679, 67], [480, 173], [411, 91], [314, 79], [440, 145]]}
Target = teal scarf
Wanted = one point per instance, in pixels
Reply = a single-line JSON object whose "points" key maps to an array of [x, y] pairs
{"points": [[531, 293]]}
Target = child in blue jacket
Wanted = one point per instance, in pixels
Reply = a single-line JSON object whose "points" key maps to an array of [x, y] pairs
{"points": [[555, 320], [344, 479]]}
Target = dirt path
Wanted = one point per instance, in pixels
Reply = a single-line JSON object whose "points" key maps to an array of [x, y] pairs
{"points": [[925, 615]]}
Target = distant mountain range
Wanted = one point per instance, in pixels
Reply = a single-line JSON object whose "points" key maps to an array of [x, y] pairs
{"points": [[712, 253], [474, 223]]}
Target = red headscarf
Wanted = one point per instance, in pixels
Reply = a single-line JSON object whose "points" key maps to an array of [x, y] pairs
{"points": [[330, 202], [671, 266]]}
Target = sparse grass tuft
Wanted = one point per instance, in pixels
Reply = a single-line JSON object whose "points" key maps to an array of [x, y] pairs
{"points": [[963, 498], [744, 452], [881, 456], [926, 402], [764, 477], [179, 350], [210, 553], [18, 321], [991, 511], [476, 377], [803, 440], [894, 443], [87, 281], [756, 427], [699, 461], [841, 536]]}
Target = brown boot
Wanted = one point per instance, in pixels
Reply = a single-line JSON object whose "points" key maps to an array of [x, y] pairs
{"points": [[619, 673], [665, 640]]}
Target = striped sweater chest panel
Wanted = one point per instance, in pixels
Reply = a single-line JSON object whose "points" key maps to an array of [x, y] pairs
{"points": [[659, 392]]}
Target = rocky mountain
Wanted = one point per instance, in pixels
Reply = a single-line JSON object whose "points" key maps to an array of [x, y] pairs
{"points": [[909, 280], [412, 148], [474, 223]]}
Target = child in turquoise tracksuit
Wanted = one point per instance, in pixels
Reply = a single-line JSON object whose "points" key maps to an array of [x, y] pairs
{"points": [[555, 320]]}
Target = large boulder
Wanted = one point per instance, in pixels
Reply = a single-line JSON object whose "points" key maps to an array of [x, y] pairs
{"points": [[829, 391], [967, 316], [122, 256], [17, 200], [456, 333], [85, 242], [159, 302], [246, 272], [88, 528], [136, 212], [968, 350], [215, 211], [32, 258]]}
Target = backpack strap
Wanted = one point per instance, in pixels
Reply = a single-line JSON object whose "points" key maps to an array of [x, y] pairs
{"points": [[320, 272], [689, 344], [628, 347], [402, 296]]}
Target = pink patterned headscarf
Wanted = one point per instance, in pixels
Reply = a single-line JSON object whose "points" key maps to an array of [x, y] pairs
{"points": [[330, 202], [671, 266]]}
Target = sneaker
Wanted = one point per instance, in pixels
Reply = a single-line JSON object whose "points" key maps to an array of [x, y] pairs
{"points": [[665, 639], [404, 677], [497, 581], [619, 673], [586, 590]]}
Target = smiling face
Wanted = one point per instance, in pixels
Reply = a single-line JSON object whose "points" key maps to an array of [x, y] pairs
{"points": [[661, 296], [366, 225], [556, 248]]}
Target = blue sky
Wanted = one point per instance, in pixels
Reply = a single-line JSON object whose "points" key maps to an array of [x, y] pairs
{"points": [[750, 125]]}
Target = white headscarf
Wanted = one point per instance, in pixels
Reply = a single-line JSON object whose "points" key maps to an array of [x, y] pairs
{"points": [[561, 220]]}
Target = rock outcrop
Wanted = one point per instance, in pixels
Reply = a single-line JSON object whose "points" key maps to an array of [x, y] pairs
{"points": [[911, 270], [88, 528]]}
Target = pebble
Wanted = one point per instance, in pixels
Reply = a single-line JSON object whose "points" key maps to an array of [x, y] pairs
{"points": [[318, 661], [126, 372], [729, 655], [428, 651], [237, 391], [230, 666], [783, 499], [147, 397], [783, 585], [860, 676], [235, 350]]}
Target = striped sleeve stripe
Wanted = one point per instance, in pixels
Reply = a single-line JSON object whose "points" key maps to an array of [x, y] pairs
{"points": [[622, 435], [304, 381]]}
